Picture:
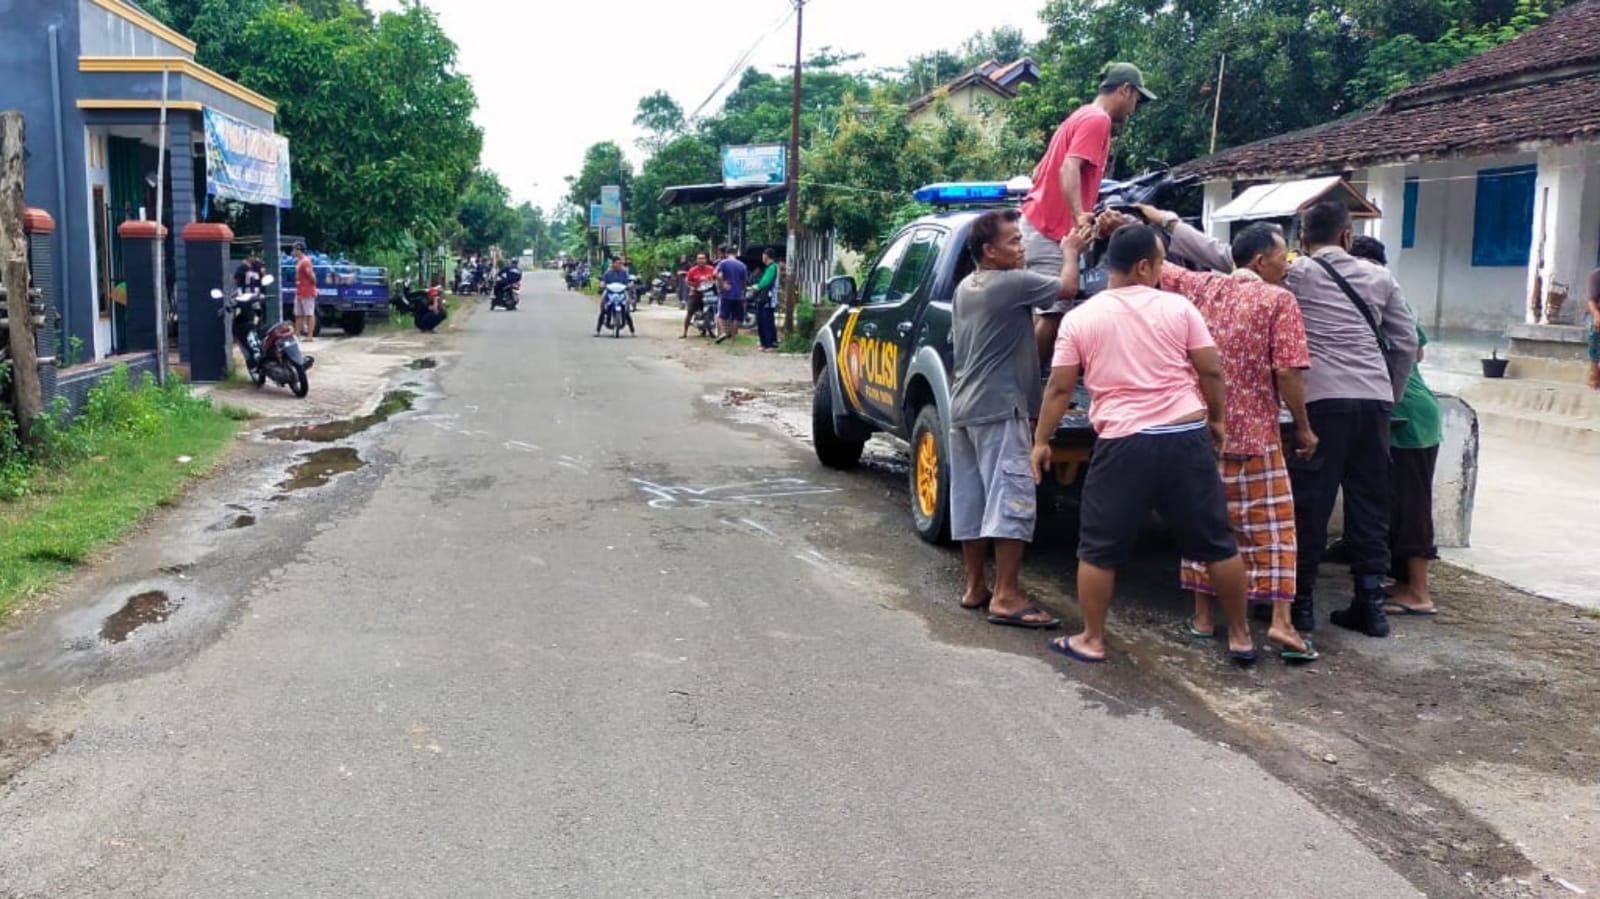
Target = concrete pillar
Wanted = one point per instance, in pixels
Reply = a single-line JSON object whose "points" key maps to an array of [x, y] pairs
{"points": [[1217, 195], [1386, 189], [141, 241], [206, 249], [1558, 227]]}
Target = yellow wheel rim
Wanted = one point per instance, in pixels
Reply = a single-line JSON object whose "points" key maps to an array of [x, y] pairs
{"points": [[927, 475]]}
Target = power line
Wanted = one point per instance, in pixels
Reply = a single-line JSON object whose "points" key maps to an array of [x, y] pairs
{"points": [[739, 64]]}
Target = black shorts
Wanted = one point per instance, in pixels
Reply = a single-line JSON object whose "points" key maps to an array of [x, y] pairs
{"points": [[731, 310], [696, 302], [1174, 475]]}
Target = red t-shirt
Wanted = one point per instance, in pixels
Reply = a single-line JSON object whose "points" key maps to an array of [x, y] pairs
{"points": [[700, 273], [1085, 135], [305, 279]]}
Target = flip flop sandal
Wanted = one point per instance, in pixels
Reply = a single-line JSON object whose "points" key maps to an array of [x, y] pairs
{"points": [[1063, 647], [1019, 619], [1394, 608], [1197, 634], [1242, 659], [981, 607], [1299, 656]]}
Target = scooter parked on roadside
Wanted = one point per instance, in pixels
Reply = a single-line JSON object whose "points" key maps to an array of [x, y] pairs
{"points": [[660, 286], [275, 355]]}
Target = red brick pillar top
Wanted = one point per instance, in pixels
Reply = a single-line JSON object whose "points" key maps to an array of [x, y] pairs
{"points": [[207, 232], [37, 221], [142, 228]]}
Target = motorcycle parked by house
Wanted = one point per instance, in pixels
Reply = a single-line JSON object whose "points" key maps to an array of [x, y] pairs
{"points": [[275, 355], [661, 286]]}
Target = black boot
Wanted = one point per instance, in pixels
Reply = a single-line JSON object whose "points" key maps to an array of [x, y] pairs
{"points": [[1302, 614], [1366, 609]]}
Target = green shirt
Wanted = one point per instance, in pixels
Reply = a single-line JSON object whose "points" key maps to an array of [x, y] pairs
{"points": [[768, 277], [1424, 423]]}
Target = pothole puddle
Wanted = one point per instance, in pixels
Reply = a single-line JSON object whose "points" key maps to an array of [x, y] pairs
{"points": [[152, 607], [320, 467], [242, 521], [394, 402], [423, 364]]}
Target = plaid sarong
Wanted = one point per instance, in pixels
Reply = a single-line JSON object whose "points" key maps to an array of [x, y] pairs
{"points": [[1261, 507]]}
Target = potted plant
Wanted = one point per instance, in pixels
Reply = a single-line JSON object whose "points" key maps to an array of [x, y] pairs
{"points": [[1494, 366]]}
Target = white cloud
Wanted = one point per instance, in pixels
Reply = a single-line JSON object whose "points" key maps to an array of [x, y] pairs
{"points": [[555, 76]]}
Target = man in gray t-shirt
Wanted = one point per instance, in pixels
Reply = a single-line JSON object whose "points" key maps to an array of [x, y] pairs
{"points": [[995, 397]]}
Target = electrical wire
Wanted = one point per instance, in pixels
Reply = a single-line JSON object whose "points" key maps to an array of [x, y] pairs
{"points": [[739, 64]]}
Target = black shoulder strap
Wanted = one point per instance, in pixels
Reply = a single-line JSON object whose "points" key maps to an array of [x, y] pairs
{"points": [[1355, 299]]}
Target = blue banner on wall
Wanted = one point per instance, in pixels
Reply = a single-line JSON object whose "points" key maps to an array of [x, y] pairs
{"points": [[246, 163]]}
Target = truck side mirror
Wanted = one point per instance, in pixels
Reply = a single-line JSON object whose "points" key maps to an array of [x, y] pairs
{"points": [[842, 290]]}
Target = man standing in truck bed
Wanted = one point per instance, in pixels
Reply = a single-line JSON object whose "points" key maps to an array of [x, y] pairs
{"points": [[1066, 182]]}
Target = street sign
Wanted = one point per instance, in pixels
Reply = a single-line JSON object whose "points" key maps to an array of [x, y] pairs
{"points": [[753, 165]]}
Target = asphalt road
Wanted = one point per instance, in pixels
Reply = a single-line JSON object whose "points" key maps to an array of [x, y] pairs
{"points": [[513, 656]]}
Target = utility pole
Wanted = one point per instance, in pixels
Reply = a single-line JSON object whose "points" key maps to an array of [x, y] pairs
{"points": [[622, 204], [792, 175], [163, 360], [27, 390], [1216, 109]]}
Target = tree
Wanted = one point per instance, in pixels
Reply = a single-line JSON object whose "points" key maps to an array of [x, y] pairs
{"points": [[686, 160], [378, 118], [603, 164], [661, 117], [486, 216]]}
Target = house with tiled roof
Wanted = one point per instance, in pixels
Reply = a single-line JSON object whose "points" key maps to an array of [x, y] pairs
{"points": [[1487, 176], [979, 95]]}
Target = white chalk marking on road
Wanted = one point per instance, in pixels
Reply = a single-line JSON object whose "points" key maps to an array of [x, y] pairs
{"points": [[696, 601], [572, 465], [745, 493], [760, 527], [522, 447]]}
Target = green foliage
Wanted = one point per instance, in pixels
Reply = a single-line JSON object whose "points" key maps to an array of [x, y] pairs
{"points": [[377, 116], [1405, 59], [684, 160], [806, 316], [115, 409], [603, 164], [485, 215], [662, 117]]}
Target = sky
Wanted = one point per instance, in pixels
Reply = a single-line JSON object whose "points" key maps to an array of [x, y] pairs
{"points": [[556, 76]]}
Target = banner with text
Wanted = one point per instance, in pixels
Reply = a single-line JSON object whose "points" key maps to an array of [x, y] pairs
{"points": [[246, 163], [753, 165]]}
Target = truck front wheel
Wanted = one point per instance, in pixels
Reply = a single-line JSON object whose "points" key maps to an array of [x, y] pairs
{"points": [[832, 450], [930, 476], [353, 323]]}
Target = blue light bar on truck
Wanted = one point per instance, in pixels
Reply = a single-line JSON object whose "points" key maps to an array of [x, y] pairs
{"points": [[957, 193]]}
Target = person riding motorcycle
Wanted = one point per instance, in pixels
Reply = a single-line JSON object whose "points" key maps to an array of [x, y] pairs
{"points": [[617, 274], [509, 278], [699, 274]]}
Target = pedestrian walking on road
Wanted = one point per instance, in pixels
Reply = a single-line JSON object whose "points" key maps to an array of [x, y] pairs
{"points": [[1262, 341], [1363, 341], [1066, 182], [305, 294], [993, 403], [1158, 406], [1417, 429]]}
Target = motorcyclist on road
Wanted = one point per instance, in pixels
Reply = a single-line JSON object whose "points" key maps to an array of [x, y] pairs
{"points": [[617, 274], [509, 278]]}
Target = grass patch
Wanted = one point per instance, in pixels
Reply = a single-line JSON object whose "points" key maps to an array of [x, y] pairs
{"points": [[86, 485]]}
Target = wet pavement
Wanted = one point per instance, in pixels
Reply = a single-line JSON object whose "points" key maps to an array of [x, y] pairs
{"points": [[622, 606]]}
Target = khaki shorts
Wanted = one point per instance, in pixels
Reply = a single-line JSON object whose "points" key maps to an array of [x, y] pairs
{"points": [[1043, 256], [992, 494], [304, 308]]}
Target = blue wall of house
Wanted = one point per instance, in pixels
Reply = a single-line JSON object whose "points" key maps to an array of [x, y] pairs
{"points": [[25, 71]]}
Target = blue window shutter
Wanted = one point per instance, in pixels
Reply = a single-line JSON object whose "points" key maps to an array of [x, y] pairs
{"points": [[1502, 220], [1408, 226]]}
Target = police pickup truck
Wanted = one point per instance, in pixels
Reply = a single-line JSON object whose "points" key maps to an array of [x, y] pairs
{"points": [[882, 362]]}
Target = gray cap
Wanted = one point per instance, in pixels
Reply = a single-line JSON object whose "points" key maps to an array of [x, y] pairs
{"points": [[1120, 73]]}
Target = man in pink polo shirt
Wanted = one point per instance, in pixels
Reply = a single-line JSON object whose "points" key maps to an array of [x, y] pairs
{"points": [[1157, 402], [1066, 182]]}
